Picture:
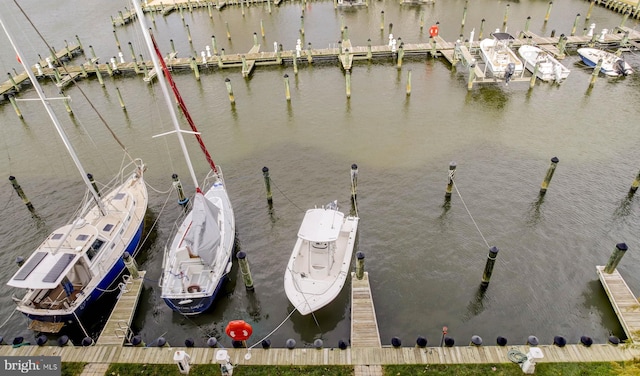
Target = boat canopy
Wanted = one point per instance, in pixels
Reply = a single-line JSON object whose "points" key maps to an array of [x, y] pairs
{"points": [[321, 225], [502, 36], [204, 235], [44, 270]]}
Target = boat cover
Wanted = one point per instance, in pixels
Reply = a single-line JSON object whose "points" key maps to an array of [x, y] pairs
{"points": [[204, 235], [321, 225], [502, 36]]}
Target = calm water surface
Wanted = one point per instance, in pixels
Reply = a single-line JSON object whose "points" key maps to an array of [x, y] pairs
{"points": [[425, 258]]}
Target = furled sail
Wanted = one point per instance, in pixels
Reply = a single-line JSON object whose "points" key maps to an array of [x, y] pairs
{"points": [[204, 235]]}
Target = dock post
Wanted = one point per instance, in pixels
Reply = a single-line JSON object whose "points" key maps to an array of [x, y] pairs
{"points": [[245, 270], [348, 83], [481, 29], [506, 17], [302, 25], [354, 185], [115, 35], [309, 54], [287, 91], [214, 45], [464, 13], [255, 39], [228, 32], [182, 199], [278, 54], [594, 74], [269, 6], [390, 28], [93, 53], [267, 185], [400, 55], [295, 64], [547, 178], [532, 81], [472, 74], [625, 39], [624, 18], [227, 82], [144, 67], [359, 265], [421, 20], [452, 172], [242, 7], [66, 47], [98, 74], [588, 16], [615, 258], [188, 33], [369, 52], [432, 41], [120, 99], [131, 265], [262, 28], [93, 183], [409, 82], [546, 17], [20, 192], [575, 24], [345, 33], [562, 42], [13, 82], [65, 100], [488, 267], [635, 184], [526, 24], [14, 104], [194, 66], [244, 66], [382, 20]]}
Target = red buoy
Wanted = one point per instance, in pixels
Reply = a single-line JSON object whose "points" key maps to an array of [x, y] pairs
{"points": [[433, 31], [238, 330]]}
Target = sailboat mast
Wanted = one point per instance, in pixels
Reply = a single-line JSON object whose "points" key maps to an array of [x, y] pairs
{"points": [[163, 86], [54, 119]]}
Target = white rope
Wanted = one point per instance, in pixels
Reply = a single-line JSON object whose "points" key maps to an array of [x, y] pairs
{"points": [[8, 318], [274, 330], [470, 216]]}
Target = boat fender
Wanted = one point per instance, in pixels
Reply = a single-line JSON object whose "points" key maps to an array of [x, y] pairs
{"points": [[212, 342], [266, 343], [395, 342], [421, 341], [317, 343], [532, 341], [501, 341], [291, 343], [449, 342], [189, 342], [476, 340], [193, 289], [586, 341], [342, 345], [559, 341], [614, 340]]}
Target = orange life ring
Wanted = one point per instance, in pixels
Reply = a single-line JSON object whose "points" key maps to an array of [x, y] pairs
{"points": [[194, 288], [433, 31], [239, 330]]}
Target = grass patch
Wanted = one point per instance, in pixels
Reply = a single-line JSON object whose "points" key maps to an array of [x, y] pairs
{"points": [[72, 369], [542, 369], [126, 369]]}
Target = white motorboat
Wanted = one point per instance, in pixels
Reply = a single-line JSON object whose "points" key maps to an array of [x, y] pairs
{"points": [[612, 64], [548, 67], [79, 261], [500, 59], [319, 264], [199, 256]]}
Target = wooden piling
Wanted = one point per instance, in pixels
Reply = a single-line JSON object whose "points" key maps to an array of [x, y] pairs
{"points": [[382, 20], [20, 192], [506, 17], [348, 83], [588, 16], [267, 185], [452, 172], [562, 43], [245, 270], [547, 178], [488, 268], [615, 258], [409, 82], [93, 53], [120, 99], [575, 25], [115, 35], [228, 32], [302, 25], [546, 17], [421, 20], [14, 104], [182, 199], [472, 74], [400, 55], [214, 46], [526, 24], [295, 64], [369, 51], [309, 54], [131, 265], [262, 28], [594, 74], [359, 265], [287, 91], [227, 82], [481, 29], [464, 13], [532, 81], [194, 66], [624, 19]]}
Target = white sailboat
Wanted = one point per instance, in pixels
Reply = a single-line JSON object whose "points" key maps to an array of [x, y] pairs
{"points": [[319, 264], [198, 258], [77, 262]]}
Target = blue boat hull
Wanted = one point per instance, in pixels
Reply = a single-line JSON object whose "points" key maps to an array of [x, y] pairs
{"points": [[109, 281], [194, 306]]}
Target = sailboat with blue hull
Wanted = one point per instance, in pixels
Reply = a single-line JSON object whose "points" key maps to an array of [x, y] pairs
{"points": [[81, 260], [198, 257]]}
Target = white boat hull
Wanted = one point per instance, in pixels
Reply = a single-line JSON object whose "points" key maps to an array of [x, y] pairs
{"points": [[612, 65], [317, 270], [549, 68], [497, 56]]}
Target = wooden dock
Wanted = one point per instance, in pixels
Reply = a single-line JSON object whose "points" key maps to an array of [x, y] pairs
{"points": [[624, 302], [364, 325], [116, 330]]}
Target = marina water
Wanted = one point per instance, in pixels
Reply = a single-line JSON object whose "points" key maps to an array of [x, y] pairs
{"points": [[425, 258]]}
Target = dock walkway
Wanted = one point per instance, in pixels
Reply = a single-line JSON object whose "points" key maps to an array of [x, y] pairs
{"points": [[624, 302]]}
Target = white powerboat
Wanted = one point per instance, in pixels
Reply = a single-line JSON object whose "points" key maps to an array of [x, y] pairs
{"points": [[500, 59], [548, 67], [612, 65]]}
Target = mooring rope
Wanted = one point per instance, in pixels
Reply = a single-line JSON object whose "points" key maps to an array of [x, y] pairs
{"points": [[470, 216], [516, 356], [274, 330], [8, 318], [285, 196]]}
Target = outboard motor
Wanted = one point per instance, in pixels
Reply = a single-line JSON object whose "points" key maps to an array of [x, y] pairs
{"points": [[511, 68], [619, 67]]}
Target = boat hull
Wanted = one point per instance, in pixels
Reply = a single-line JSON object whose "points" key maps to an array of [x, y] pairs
{"points": [[548, 68], [497, 56], [195, 305], [591, 57]]}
